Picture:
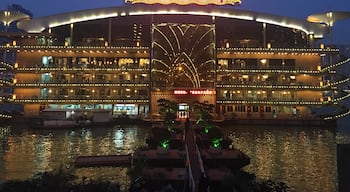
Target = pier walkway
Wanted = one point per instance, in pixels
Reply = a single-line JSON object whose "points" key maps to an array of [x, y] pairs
{"points": [[194, 161]]}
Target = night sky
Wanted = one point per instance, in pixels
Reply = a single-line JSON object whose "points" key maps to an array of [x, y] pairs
{"points": [[292, 8]]}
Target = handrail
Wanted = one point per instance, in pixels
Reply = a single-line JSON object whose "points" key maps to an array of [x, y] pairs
{"points": [[341, 114], [6, 65], [335, 65]]}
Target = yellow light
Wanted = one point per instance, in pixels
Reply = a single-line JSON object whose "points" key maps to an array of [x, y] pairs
{"points": [[14, 81], [14, 43], [227, 45], [322, 46], [319, 67], [16, 65], [269, 45], [14, 96], [263, 61], [321, 83], [186, 2]]}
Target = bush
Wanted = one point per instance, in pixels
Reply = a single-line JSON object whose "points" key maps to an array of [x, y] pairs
{"points": [[57, 181]]}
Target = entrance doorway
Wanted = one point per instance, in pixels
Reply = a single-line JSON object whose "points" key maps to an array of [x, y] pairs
{"points": [[183, 111]]}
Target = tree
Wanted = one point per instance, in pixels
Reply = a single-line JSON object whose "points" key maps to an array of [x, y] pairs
{"points": [[168, 110], [204, 111], [205, 118]]}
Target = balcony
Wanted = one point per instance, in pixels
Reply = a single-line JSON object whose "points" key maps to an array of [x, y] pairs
{"points": [[80, 99], [254, 50], [74, 69], [270, 101], [270, 69], [81, 83], [78, 48], [274, 85]]}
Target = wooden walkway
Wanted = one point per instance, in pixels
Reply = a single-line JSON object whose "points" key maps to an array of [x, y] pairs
{"points": [[194, 161]]}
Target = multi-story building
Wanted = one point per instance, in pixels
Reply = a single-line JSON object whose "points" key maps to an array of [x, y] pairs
{"points": [[124, 59], [7, 58]]}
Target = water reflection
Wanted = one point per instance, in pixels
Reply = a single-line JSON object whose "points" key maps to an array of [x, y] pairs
{"points": [[303, 157], [27, 152]]}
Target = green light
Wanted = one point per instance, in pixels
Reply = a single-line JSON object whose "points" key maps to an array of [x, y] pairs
{"points": [[217, 142], [164, 143]]}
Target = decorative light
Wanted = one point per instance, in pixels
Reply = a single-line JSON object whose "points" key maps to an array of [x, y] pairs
{"points": [[263, 61]]}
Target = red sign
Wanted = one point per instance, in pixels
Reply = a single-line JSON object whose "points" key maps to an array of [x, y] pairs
{"points": [[194, 92]]}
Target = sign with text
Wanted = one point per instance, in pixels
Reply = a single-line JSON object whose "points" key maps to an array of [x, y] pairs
{"points": [[194, 92]]}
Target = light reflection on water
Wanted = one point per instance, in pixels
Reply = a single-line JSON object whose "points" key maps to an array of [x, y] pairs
{"points": [[303, 157], [26, 152]]}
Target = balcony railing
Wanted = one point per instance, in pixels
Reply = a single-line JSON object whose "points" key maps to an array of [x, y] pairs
{"points": [[280, 68], [272, 85], [270, 101], [5, 65], [80, 99], [110, 68], [254, 50], [81, 83], [257, 69]]}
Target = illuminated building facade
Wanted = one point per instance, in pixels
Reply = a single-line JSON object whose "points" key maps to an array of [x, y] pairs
{"points": [[248, 65]]}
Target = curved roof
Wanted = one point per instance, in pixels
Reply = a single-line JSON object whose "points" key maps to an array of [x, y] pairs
{"points": [[329, 17], [7, 17], [39, 24]]}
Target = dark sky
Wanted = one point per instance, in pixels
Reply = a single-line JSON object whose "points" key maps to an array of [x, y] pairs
{"points": [[292, 8]]}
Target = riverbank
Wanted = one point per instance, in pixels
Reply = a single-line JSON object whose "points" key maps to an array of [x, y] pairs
{"points": [[18, 120]]}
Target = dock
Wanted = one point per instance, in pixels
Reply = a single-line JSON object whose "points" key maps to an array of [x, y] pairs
{"points": [[190, 164]]}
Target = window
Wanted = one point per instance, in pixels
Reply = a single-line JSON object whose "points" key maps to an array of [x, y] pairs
{"points": [[240, 108], [268, 109]]}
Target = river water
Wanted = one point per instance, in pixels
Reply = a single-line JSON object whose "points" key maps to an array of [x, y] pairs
{"points": [[303, 157]]}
